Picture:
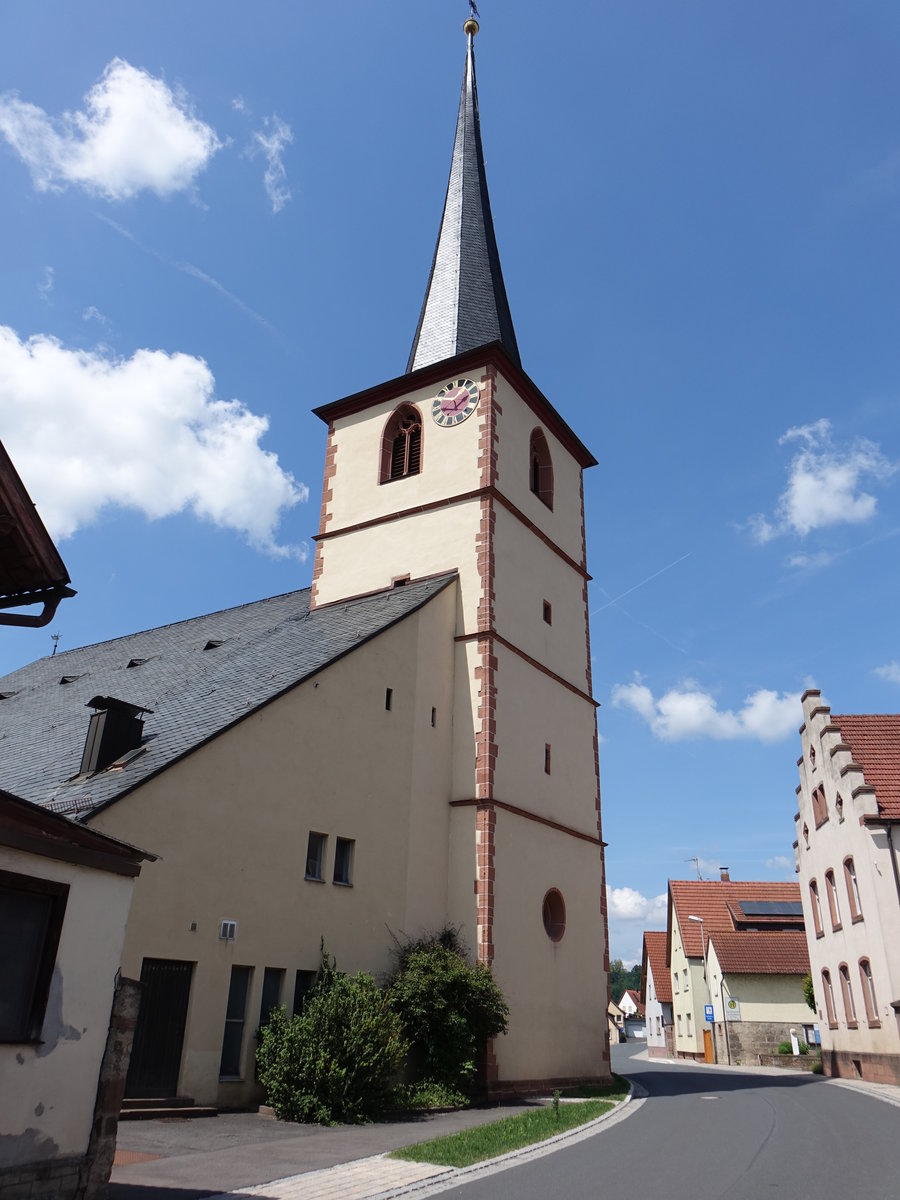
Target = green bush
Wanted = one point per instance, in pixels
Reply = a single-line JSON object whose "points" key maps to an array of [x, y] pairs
{"points": [[817, 1068], [447, 1008], [410, 1097], [804, 1049], [785, 1048], [334, 1061], [809, 994]]}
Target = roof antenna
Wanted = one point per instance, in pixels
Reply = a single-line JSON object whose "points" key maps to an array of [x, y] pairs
{"points": [[696, 862], [54, 638], [473, 11]]}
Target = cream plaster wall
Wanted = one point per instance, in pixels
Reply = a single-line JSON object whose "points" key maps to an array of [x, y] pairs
{"points": [[691, 1001], [449, 461], [519, 597], [231, 823], [533, 710], [514, 426], [777, 998], [48, 1090], [557, 991], [421, 544], [877, 935]]}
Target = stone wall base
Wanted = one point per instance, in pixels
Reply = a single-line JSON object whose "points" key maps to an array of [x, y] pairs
{"points": [[876, 1068], [57, 1179], [742, 1042]]}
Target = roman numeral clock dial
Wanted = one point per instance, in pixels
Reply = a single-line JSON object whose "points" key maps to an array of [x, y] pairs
{"points": [[455, 402]]}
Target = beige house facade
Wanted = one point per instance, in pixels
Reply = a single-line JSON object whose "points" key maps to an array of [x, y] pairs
{"points": [[848, 814], [738, 947], [65, 893], [411, 742]]}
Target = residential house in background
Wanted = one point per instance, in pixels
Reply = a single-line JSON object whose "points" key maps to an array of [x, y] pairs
{"points": [[745, 937], [633, 1009], [848, 859], [410, 742], [616, 1021], [65, 1016], [656, 995]]}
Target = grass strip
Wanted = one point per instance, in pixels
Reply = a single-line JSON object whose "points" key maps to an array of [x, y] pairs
{"points": [[499, 1137], [617, 1090]]}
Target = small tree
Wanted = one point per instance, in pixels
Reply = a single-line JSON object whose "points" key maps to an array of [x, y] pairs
{"points": [[809, 994], [334, 1061], [448, 1009]]}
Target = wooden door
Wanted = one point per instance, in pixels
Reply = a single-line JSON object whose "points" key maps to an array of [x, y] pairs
{"points": [[708, 1054], [159, 1034]]}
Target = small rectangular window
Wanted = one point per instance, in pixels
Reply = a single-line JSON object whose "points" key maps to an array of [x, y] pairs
{"points": [[690, 1031], [548, 612], [388, 699], [343, 861], [547, 758], [233, 1037], [315, 856], [433, 718], [273, 981], [687, 986], [679, 1024], [304, 982]]}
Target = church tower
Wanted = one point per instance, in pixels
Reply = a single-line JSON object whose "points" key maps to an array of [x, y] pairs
{"points": [[461, 465]]}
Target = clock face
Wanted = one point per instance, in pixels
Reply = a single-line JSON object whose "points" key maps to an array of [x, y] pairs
{"points": [[454, 402]]}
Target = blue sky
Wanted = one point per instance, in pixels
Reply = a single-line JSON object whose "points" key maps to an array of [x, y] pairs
{"points": [[216, 218]]}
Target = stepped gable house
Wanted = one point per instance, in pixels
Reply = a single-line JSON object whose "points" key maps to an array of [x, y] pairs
{"points": [[411, 742], [848, 859]]}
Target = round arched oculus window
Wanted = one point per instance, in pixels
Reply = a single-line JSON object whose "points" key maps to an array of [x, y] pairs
{"points": [[554, 915]]}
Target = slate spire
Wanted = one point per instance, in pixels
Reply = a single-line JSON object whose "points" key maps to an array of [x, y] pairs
{"points": [[465, 302]]}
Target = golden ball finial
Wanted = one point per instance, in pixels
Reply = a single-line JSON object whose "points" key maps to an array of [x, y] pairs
{"points": [[471, 27]]}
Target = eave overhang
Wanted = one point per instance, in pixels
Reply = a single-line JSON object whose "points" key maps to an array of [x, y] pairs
{"points": [[439, 372]]}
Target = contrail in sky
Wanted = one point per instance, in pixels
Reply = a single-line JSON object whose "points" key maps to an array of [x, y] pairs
{"points": [[622, 595]]}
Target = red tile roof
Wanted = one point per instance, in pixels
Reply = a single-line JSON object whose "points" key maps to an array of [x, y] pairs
{"points": [[655, 953], [761, 953], [874, 740], [709, 899]]}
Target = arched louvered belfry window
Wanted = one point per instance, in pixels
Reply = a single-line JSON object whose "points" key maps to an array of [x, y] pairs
{"points": [[401, 445], [541, 466]]}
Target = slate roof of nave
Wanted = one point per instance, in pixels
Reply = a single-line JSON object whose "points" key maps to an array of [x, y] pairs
{"points": [[199, 677]]}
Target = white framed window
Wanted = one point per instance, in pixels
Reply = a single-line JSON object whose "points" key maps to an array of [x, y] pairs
{"points": [[679, 1024]]}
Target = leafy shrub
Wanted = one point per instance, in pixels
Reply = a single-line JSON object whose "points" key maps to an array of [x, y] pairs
{"points": [[817, 1068], [335, 1060], [785, 1048], [448, 1009], [426, 1094], [809, 994], [804, 1049]]}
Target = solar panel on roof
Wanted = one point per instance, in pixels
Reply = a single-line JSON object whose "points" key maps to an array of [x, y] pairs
{"points": [[771, 908]]}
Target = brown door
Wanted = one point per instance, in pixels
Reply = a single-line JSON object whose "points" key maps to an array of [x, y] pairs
{"points": [[159, 1034], [708, 1055]]}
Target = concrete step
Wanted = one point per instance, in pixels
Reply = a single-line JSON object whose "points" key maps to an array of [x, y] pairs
{"points": [[169, 1107]]}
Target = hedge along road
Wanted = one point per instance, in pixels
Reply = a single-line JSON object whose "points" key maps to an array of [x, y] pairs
{"points": [[708, 1134]]}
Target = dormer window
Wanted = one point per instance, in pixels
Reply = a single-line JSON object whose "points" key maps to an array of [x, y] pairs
{"points": [[401, 445], [541, 482], [812, 758]]}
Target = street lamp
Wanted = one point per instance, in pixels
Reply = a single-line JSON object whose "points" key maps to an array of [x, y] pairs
{"points": [[704, 944]]}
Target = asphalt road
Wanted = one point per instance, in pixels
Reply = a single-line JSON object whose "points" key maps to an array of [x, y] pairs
{"points": [[706, 1134]]}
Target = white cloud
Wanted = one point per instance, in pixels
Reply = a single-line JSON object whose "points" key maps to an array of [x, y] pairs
{"points": [[272, 143], [824, 483], [626, 904], [810, 562], [92, 313], [783, 865], [45, 287], [690, 712], [134, 134], [890, 671], [88, 430], [238, 104]]}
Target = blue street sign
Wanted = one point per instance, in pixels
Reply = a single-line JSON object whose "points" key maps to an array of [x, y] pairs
{"points": [[708, 1013]]}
